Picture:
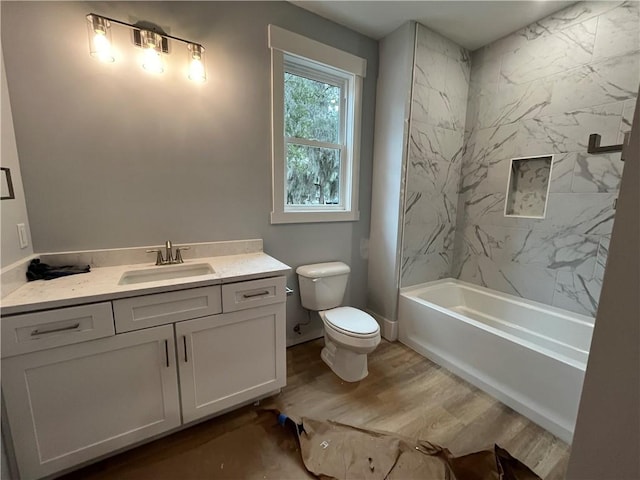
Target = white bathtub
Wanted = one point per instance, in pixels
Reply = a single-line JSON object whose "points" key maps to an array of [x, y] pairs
{"points": [[530, 356]]}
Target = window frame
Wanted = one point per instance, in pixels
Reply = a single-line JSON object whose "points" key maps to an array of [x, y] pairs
{"points": [[299, 55]]}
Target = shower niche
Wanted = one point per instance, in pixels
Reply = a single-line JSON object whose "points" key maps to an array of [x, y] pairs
{"points": [[528, 187]]}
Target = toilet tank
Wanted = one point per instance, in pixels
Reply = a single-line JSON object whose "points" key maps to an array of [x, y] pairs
{"points": [[322, 285]]}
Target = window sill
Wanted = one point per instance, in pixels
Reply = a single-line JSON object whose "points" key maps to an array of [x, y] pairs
{"points": [[314, 217]]}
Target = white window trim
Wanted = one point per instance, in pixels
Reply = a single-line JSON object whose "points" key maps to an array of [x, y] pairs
{"points": [[284, 43]]}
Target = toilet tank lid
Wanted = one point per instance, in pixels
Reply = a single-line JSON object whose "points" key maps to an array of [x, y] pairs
{"points": [[318, 270]]}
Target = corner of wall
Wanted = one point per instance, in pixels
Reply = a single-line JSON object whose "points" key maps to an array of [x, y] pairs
{"points": [[13, 211], [391, 123]]}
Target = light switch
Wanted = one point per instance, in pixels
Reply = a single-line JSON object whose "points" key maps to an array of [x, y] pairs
{"points": [[22, 235]]}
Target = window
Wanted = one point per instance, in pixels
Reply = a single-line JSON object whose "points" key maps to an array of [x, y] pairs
{"points": [[316, 95]]}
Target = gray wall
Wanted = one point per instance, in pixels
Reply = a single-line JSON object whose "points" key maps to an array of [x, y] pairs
{"points": [[113, 156], [543, 90], [438, 107], [607, 438], [13, 211], [390, 145]]}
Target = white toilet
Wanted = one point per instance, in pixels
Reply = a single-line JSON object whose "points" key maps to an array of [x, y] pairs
{"points": [[349, 334]]}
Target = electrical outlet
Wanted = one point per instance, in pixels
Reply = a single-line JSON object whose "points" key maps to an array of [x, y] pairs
{"points": [[22, 235]]}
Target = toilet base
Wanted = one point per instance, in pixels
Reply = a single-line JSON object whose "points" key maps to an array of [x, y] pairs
{"points": [[350, 366]]}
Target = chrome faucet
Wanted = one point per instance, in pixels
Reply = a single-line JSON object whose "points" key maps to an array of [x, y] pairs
{"points": [[168, 259]]}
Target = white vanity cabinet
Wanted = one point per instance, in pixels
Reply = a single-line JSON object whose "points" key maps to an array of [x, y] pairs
{"points": [[228, 359], [83, 381], [71, 404]]}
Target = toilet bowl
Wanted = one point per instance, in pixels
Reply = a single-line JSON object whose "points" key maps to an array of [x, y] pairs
{"points": [[349, 336]]}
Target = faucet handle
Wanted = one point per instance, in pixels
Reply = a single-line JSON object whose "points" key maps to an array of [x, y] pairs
{"points": [[158, 252], [178, 258]]}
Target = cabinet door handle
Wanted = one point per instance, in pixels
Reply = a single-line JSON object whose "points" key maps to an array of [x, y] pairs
{"points": [[54, 330], [259, 294], [166, 351], [184, 343]]}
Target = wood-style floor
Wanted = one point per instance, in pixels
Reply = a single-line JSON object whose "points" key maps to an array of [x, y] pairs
{"points": [[404, 393]]}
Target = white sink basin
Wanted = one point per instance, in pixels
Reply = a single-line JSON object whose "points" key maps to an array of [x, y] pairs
{"points": [[165, 272]]}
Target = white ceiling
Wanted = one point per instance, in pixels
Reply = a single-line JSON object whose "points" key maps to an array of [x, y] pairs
{"points": [[470, 24]]}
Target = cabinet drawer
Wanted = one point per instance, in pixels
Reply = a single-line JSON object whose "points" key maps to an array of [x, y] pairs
{"points": [[254, 293], [162, 308], [31, 332]]}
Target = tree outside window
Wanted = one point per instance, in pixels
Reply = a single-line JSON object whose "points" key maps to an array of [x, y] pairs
{"points": [[312, 118]]}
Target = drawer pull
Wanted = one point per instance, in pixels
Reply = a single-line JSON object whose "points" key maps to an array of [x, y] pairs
{"points": [[54, 330], [259, 294], [166, 351]]}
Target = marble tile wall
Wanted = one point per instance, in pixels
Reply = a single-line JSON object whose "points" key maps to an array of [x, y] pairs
{"points": [[438, 112], [542, 90]]}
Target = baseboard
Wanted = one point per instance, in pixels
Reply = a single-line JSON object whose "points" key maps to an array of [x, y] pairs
{"points": [[388, 328]]}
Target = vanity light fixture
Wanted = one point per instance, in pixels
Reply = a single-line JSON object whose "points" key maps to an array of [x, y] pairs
{"points": [[100, 38], [197, 72], [152, 51], [153, 41]]}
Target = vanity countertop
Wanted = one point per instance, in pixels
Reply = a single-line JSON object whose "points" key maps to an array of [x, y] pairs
{"points": [[101, 283]]}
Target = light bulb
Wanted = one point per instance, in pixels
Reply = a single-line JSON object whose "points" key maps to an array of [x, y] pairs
{"points": [[103, 47], [99, 29], [151, 58], [197, 70]]}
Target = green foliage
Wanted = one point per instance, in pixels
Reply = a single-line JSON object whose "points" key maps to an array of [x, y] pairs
{"points": [[312, 113]]}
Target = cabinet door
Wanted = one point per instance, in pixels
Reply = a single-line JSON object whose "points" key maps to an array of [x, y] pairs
{"points": [[227, 359], [71, 404]]}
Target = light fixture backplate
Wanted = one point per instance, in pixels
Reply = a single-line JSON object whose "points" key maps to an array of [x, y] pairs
{"points": [[137, 39]]}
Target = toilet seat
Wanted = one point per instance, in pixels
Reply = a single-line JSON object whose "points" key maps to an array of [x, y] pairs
{"points": [[351, 322]]}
